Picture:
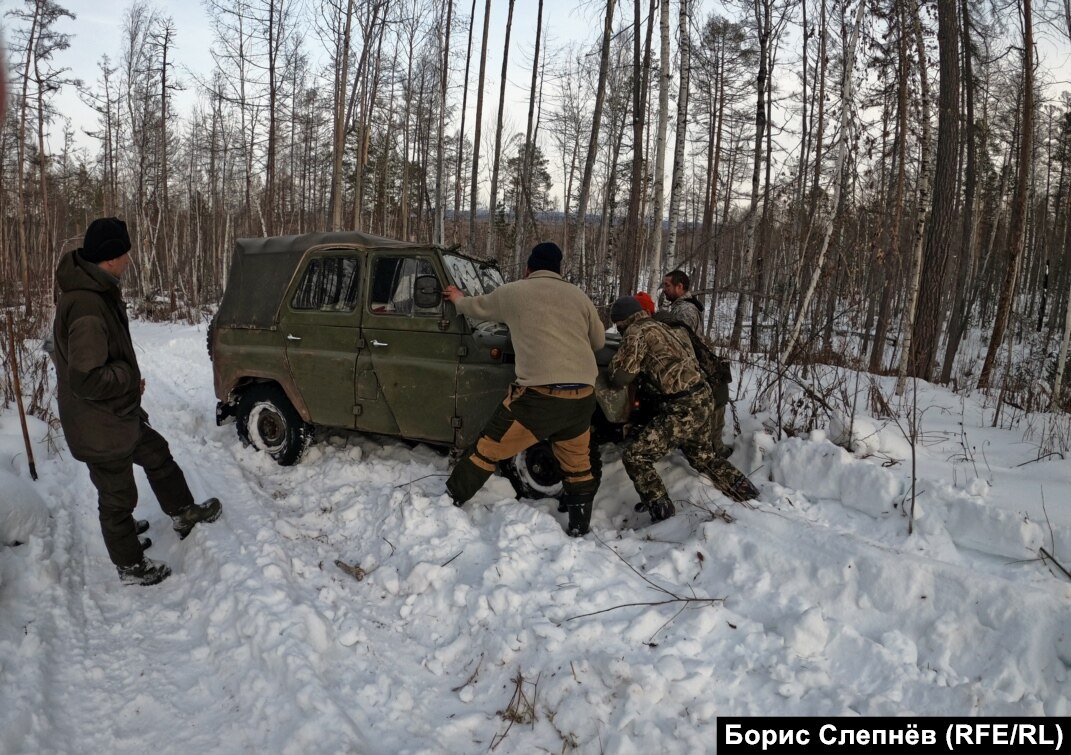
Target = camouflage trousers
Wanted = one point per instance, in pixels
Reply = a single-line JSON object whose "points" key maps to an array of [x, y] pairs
{"points": [[683, 423], [717, 427], [717, 417]]}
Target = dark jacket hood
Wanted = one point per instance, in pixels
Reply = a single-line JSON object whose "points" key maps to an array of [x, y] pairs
{"points": [[75, 274]]}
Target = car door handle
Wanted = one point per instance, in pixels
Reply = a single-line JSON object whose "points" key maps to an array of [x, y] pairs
{"points": [[379, 343], [292, 337]]}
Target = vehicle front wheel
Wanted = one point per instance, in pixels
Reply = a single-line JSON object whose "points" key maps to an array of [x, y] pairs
{"points": [[270, 423], [534, 472]]}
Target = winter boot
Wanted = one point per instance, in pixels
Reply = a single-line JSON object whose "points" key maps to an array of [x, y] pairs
{"points": [[146, 572], [731, 481], [141, 526], [146, 543], [193, 514], [579, 506], [661, 509]]}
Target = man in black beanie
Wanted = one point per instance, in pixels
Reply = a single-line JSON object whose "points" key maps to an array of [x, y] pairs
{"points": [[555, 332], [99, 396]]}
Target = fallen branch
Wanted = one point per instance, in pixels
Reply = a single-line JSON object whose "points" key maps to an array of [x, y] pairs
{"points": [[1045, 555], [1041, 458], [710, 601], [17, 386], [673, 597], [435, 474]]}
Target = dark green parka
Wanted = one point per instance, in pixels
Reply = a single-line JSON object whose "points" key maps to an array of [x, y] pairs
{"points": [[99, 383]]}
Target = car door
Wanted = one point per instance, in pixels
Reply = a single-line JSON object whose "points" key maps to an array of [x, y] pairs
{"points": [[320, 322], [413, 351]]}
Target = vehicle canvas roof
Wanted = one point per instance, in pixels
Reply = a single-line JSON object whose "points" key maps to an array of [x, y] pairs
{"points": [[262, 268]]}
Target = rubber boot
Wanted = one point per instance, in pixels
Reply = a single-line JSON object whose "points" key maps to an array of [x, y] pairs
{"points": [[579, 507]]}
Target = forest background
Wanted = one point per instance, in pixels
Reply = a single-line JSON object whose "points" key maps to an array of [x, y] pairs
{"points": [[858, 183]]}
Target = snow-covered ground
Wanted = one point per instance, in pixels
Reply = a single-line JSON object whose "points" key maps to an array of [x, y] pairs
{"points": [[489, 628]]}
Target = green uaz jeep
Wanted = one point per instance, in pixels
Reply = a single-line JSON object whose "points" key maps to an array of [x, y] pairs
{"points": [[347, 330]]}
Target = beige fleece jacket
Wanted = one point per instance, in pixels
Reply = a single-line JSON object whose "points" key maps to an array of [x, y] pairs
{"points": [[553, 325]]}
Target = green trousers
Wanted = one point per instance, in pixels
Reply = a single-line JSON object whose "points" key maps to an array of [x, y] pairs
{"points": [[117, 493]]}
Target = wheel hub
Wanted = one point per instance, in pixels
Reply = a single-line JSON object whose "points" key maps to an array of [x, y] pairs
{"points": [[270, 427]]}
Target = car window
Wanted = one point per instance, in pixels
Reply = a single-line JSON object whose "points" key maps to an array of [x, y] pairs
{"points": [[472, 277], [329, 284], [393, 281]]}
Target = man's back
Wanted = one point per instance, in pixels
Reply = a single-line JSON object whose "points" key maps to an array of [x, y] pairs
{"points": [[554, 327], [660, 353]]}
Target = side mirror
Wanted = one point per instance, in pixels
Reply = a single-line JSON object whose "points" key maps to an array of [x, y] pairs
{"points": [[427, 293]]}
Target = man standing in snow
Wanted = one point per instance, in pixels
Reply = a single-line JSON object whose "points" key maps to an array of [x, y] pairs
{"points": [[99, 395], [687, 309], [664, 356], [556, 332]]}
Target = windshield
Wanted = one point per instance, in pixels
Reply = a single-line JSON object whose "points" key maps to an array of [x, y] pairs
{"points": [[472, 277]]}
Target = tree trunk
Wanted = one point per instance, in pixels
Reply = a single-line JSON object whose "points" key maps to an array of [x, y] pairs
{"points": [[479, 126], [763, 25], [342, 69], [659, 191], [20, 191], [927, 331], [630, 268], [593, 144], [524, 187], [892, 254], [1017, 228], [677, 185], [439, 234], [847, 125], [493, 206], [922, 207], [966, 268], [461, 130]]}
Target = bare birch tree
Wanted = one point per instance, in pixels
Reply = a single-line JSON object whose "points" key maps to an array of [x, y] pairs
{"points": [[677, 184]]}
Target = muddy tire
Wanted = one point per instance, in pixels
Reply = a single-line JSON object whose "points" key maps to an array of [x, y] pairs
{"points": [[210, 331], [270, 423]]}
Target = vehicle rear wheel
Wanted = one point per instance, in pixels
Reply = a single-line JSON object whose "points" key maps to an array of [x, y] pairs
{"points": [[270, 423], [534, 472]]}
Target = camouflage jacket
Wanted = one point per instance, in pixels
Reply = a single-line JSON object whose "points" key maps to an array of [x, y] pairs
{"points": [[687, 309], [663, 355]]}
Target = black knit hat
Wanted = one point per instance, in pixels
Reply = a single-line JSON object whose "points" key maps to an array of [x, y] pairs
{"points": [[106, 239], [624, 308], [545, 256]]}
